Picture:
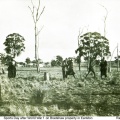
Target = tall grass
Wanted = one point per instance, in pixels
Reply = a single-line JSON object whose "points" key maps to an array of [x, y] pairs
{"points": [[29, 95]]}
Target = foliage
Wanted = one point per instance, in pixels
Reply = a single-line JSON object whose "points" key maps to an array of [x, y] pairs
{"points": [[5, 59], [117, 59], [93, 44], [37, 96], [33, 61], [14, 44], [27, 60], [46, 63], [37, 61], [53, 63], [59, 60], [77, 59]]}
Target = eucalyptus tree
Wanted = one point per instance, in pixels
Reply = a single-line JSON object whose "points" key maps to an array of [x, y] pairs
{"points": [[59, 60], [14, 45], [27, 60], [93, 45]]}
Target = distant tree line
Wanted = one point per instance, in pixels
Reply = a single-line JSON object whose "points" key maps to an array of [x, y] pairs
{"points": [[57, 61]]}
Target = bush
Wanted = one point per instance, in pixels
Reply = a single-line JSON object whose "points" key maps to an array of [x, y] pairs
{"points": [[37, 96]]}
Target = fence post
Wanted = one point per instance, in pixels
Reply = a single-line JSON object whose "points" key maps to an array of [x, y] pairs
{"points": [[46, 76]]}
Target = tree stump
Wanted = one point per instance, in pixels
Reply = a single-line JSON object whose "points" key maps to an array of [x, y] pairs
{"points": [[46, 76]]}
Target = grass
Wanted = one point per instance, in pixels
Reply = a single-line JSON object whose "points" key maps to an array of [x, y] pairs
{"points": [[29, 95]]}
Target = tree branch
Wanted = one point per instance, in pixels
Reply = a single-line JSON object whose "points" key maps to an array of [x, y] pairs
{"points": [[32, 12], [38, 10], [41, 13], [39, 31], [37, 16], [32, 3], [105, 17]]}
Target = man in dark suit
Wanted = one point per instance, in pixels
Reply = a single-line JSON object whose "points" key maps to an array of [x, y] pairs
{"points": [[103, 67], [11, 70]]}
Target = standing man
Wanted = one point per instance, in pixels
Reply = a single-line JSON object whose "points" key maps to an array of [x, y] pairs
{"points": [[103, 67], [11, 70], [91, 68], [70, 70]]}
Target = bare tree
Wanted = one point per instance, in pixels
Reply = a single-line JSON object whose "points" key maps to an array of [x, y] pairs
{"points": [[80, 33], [36, 14], [105, 18]]}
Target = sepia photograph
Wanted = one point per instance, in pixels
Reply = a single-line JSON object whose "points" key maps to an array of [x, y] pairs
{"points": [[60, 58]]}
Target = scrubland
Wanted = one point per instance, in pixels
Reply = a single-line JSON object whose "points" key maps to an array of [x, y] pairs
{"points": [[30, 95]]}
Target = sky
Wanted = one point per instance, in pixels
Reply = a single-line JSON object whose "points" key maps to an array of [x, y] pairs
{"points": [[61, 21]]}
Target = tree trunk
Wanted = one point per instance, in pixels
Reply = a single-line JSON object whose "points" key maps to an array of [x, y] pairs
{"points": [[35, 44], [36, 50], [36, 16], [79, 65], [38, 67]]}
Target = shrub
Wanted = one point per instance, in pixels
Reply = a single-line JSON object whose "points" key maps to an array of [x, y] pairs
{"points": [[37, 96]]}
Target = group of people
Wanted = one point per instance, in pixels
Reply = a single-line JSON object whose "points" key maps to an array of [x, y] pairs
{"points": [[103, 68], [67, 68]]}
